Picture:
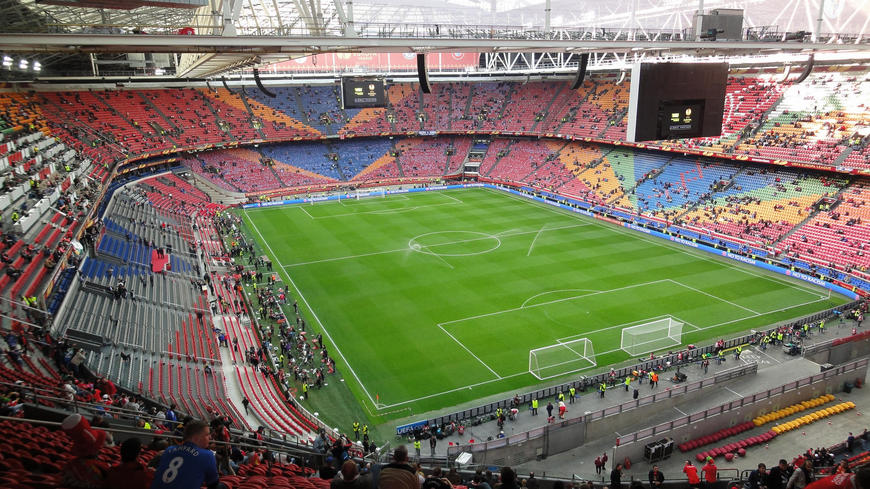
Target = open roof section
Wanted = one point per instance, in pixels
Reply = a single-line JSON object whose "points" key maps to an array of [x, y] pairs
{"points": [[295, 17], [448, 26]]}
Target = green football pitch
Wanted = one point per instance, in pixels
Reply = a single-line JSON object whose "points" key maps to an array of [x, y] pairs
{"points": [[434, 299]]}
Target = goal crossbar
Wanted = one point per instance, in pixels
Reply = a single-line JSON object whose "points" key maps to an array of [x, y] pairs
{"points": [[561, 359], [651, 336]]}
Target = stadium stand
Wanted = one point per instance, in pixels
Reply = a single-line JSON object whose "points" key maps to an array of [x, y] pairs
{"points": [[762, 205], [838, 236], [796, 131], [161, 324]]}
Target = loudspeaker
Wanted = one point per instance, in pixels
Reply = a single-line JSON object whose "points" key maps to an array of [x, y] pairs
{"points": [[260, 84], [422, 75], [224, 81], [581, 71], [807, 70]]}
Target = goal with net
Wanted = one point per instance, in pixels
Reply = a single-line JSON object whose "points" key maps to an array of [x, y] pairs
{"points": [[651, 336], [561, 359]]}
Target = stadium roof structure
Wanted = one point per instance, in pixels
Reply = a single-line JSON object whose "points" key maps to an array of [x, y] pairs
{"points": [[237, 34]]}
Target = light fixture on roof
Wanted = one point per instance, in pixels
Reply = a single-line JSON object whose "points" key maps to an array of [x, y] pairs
{"points": [[7, 61], [158, 71], [22, 64], [37, 66]]}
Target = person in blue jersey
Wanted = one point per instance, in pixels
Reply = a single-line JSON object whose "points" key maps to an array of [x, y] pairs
{"points": [[191, 464]]}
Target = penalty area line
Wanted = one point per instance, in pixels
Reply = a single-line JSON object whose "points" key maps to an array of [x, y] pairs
{"points": [[499, 377]]}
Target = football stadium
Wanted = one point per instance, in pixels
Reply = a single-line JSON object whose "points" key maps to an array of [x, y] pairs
{"points": [[401, 245]]}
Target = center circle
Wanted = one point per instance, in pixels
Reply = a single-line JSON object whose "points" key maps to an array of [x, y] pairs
{"points": [[454, 243]]}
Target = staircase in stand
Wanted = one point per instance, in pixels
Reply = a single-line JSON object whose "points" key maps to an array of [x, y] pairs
{"points": [[507, 150], [254, 118], [217, 117], [556, 96], [837, 200]]}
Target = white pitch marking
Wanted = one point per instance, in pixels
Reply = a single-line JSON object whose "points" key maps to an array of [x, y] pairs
{"points": [[555, 291], [350, 257], [661, 243], [513, 309], [532, 246], [310, 309], [457, 389], [715, 297], [469, 352], [564, 213], [436, 255]]}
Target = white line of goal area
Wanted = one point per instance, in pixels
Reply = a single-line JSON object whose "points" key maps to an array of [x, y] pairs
{"points": [[376, 200], [362, 201], [503, 234], [525, 372], [588, 333], [559, 211]]}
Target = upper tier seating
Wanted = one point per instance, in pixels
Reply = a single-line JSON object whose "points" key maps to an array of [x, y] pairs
{"points": [[189, 117], [812, 120]]}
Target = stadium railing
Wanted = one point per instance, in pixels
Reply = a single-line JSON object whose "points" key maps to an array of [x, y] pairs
{"points": [[553, 442], [583, 384], [631, 444]]}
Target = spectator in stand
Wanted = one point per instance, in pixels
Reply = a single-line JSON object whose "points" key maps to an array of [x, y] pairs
{"points": [[711, 473], [778, 476], [508, 479], [348, 478], [848, 480], [86, 470], [692, 474], [616, 477], [190, 464], [327, 471], [130, 473], [757, 478], [398, 474], [802, 475], [656, 478]]}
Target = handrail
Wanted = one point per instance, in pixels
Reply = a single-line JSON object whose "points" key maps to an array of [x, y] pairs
{"points": [[618, 409], [656, 431], [167, 435], [689, 356]]}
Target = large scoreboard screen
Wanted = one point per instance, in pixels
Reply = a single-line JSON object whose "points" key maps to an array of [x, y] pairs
{"points": [[676, 100], [363, 92], [680, 119]]}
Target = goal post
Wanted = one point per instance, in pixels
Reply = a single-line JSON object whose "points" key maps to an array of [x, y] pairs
{"points": [[561, 359], [652, 336]]}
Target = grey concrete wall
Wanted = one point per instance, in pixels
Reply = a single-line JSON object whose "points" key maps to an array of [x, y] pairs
{"points": [[715, 419], [842, 353]]}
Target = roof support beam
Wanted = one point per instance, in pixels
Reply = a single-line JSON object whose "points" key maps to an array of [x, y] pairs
{"points": [[252, 45]]}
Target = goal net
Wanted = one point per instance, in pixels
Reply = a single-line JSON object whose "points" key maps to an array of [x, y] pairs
{"points": [[562, 358], [653, 336]]}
